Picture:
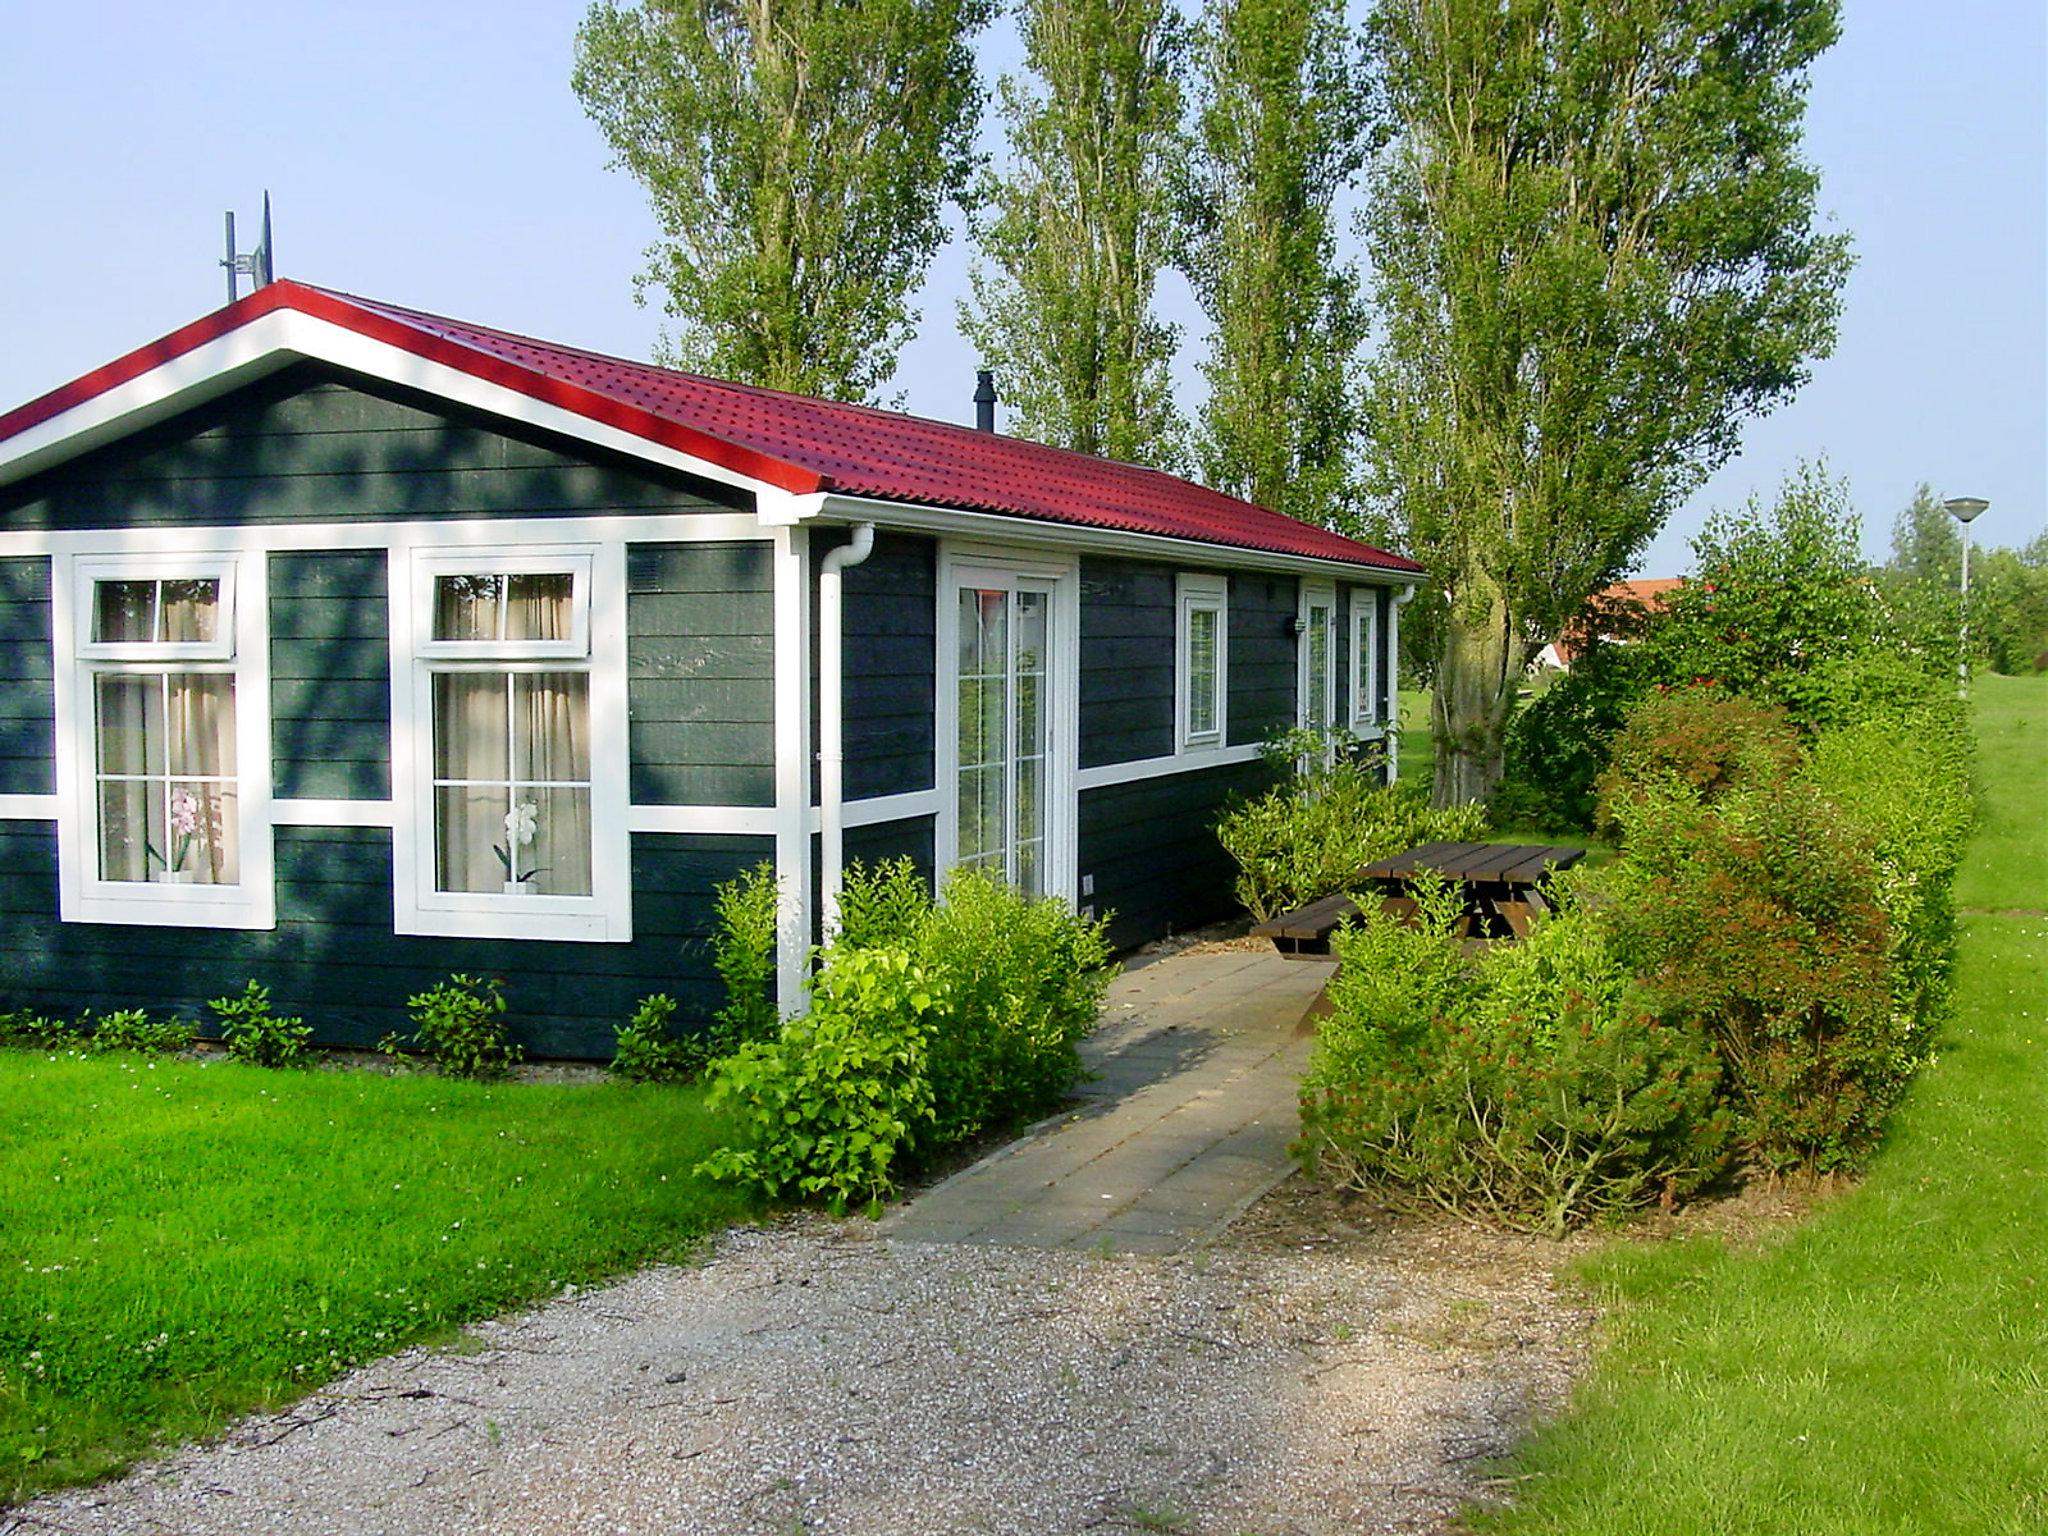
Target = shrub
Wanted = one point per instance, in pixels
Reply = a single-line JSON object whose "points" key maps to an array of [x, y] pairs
{"points": [[39, 1032], [885, 903], [824, 1110], [1703, 740], [460, 1024], [648, 1049], [1024, 981], [743, 952], [132, 1029], [1530, 1088], [254, 1034], [1757, 919], [1309, 837]]}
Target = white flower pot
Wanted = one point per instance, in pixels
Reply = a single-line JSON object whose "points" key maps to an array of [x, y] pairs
{"points": [[175, 876], [518, 888]]}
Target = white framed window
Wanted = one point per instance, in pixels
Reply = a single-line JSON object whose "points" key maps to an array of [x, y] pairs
{"points": [[1316, 657], [1201, 660], [163, 729], [1365, 658], [512, 820]]}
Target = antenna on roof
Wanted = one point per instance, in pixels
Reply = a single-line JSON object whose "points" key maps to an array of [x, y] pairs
{"points": [[256, 264]]}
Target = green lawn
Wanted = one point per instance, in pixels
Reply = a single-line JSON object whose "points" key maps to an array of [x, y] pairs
{"points": [[1885, 1367], [181, 1242]]}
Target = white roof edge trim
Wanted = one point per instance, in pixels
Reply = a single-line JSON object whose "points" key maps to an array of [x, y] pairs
{"points": [[276, 340], [1019, 529]]}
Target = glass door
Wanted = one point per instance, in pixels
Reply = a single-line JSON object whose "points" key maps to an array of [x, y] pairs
{"points": [[1003, 698]]}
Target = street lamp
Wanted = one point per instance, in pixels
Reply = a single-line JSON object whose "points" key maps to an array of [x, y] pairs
{"points": [[1965, 510]]}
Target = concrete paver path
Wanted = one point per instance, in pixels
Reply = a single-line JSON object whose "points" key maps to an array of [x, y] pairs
{"points": [[1186, 1122]]}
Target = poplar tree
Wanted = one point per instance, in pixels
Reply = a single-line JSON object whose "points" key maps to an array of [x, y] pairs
{"points": [[1080, 227], [799, 156], [1279, 130], [1595, 252]]}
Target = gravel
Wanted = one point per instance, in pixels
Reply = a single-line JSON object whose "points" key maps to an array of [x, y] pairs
{"points": [[1323, 1369]]}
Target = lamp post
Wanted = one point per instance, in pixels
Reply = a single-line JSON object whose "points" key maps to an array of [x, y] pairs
{"points": [[1965, 510]]}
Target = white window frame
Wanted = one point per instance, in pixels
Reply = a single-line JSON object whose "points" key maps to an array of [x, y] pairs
{"points": [[1367, 709], [597, 646], [1209, 594], [239, 650], [1316, 594]]}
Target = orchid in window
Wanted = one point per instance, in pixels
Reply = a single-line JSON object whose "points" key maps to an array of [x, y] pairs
{"points": [[184, 827], [522, 823]]}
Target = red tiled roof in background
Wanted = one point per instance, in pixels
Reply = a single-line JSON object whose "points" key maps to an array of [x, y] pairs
{"points": [[792, 441], [1648, 593]]}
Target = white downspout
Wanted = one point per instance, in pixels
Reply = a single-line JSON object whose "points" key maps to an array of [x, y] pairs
{"points": [[832, 721], [1393, 734]]}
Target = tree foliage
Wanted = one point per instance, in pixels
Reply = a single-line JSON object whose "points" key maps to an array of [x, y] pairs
{"points": [[1279, 130], [1595, 252], [799, 155], [1080, 228], [2008, 627]]}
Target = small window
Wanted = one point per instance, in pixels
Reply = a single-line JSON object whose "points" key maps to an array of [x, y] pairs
{"points": [[1201, 677], [158, 618], [531, 610], [1317, 678], [1365, 652]]}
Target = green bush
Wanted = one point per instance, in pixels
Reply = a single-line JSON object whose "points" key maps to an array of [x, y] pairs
{"points": [[132, 1029], [1703, 740], [460, 1025], [254, 1034], [1309, 837], [824, 1110], [1757, 919], [1024, 982], [743, 952], [1530, 1088], [39, 1032], [647, 1049]]}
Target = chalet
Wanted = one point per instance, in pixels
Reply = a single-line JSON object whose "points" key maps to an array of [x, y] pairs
{"points": [[344, 646]]}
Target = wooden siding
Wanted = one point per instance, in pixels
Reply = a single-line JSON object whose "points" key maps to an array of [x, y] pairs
{"points": [[700, 669], [330, 675], [28, 700], [1127, 660], [334, 959], [313, 444], [891, 658], [1262, 656], [1151, 846]]}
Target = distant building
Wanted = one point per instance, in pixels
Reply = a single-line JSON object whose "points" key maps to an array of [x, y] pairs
{"points": [[1596, 623]]}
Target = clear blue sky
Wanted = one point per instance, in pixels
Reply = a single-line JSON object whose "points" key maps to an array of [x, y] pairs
{"points": [[433, 155]]}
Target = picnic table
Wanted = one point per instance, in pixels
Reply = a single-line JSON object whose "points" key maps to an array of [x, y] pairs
{"points": [[1500, 881]]}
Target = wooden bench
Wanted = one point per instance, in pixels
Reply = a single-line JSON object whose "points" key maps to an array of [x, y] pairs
{"points": [[1500, 880]]}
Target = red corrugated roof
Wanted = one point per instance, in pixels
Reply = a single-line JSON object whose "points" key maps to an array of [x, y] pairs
{"points": [[791, 441]]}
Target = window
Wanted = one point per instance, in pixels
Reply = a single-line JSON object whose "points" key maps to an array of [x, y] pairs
{"points": [[507, 829], [1200, 675], [161, 826], [1365, 651], [1317, 676]]}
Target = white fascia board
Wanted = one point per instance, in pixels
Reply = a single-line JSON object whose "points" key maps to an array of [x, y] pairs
{"points": [[1008, 528], [282, 337]]}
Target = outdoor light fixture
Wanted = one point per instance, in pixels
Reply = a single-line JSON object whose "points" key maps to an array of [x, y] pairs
{"points": [[1965, 510]]}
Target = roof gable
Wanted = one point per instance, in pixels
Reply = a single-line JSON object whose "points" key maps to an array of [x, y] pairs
{"points": [[791, 442]]}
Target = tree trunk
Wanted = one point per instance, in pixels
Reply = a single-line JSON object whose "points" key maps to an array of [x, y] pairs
{"points": [[1478, 666]]}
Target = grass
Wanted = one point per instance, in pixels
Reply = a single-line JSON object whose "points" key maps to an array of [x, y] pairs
{"points": [[182, 1242], [2005, 869], [1885, 1367]]}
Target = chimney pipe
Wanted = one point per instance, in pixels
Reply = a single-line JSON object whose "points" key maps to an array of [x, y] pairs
{"points": [[985, 401]]}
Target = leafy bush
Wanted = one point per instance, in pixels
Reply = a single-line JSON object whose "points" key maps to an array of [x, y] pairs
{"points": [[132, 1029], [1531, 1087], [1024, 982], [1757, 919], [39, 1032], [648, 1049], [1704, 741], [824, 1110], [1309, 837], [460, 1024], [743, 952], [254, 1034]]}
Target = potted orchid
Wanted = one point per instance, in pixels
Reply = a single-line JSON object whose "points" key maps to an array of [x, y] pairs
{"points": [[522, 823], [184, 829]]}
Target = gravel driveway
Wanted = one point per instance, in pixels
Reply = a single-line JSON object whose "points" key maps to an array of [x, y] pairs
{"points": [[1319, 1371]]}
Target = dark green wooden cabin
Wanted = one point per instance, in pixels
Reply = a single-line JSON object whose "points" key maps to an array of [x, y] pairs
{"points": [[343, 647]]}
